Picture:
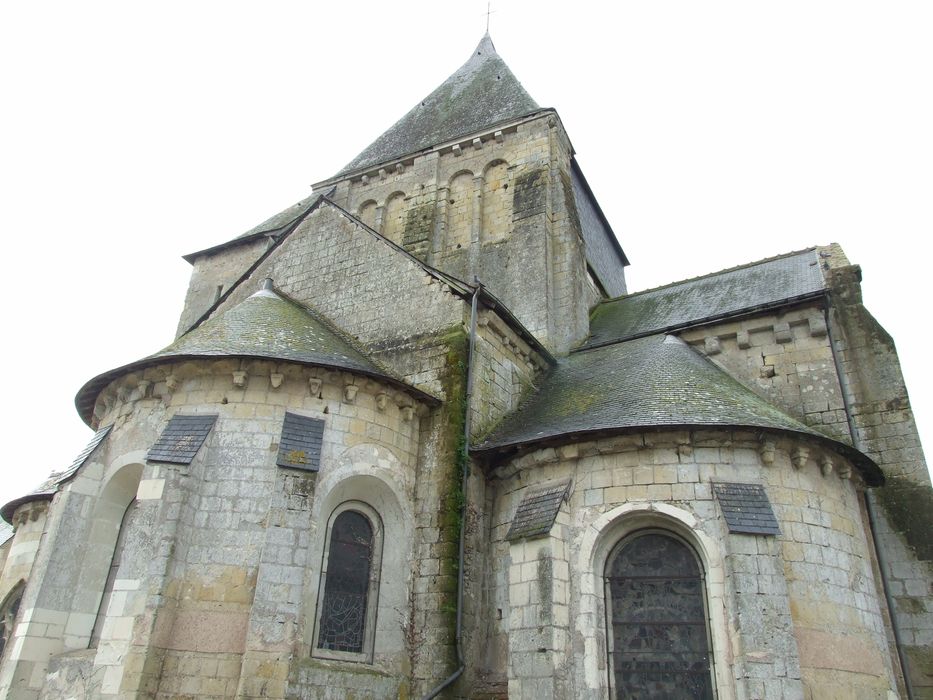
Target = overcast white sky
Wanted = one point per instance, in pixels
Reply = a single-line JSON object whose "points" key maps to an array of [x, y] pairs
{"points": [[713, 134]]}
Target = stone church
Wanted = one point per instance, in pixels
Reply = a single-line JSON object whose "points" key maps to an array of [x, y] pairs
{"points": [[414, 438]]}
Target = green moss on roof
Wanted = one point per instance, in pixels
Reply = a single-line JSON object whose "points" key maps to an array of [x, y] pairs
{"points": [[266, 325], [652, 382], [482, 92], [262, 326], [761, 284]]}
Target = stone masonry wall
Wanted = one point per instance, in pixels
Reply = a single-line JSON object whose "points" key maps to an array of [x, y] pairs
{"points": [[886, 431], [796, 615], [220, 601], [501, 207], [785, 358], [212, 275], [382, 298]]}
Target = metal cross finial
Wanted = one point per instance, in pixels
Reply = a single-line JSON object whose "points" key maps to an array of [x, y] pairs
{"points": [[488, 12]]}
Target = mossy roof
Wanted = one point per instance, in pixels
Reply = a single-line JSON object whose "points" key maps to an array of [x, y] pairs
{"points": [[481, 93], [764, 284], [262, 326], [651, 382]]}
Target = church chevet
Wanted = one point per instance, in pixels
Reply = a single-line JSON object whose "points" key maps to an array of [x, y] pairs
{"points": [[415, 438]]}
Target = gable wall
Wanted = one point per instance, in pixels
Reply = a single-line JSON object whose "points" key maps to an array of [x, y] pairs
{"points": [[365, 287]]}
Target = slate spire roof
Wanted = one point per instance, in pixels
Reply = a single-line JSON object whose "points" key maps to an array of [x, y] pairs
{"points": [[481, 93], [263, 325]]}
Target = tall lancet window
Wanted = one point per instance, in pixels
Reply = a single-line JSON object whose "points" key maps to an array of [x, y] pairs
{"points": [[346, 615], [658, 631]]}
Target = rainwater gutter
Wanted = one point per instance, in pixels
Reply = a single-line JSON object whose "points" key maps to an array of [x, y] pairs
{"points": [[869, 507], [465, 472]]}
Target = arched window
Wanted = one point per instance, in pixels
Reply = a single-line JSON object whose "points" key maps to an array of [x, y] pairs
{"points": [[657, 619], [118, 552], [349, 584], [8, 612]]}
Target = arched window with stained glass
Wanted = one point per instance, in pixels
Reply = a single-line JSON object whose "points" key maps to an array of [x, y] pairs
{"points": [[657, 619], [349, 584], [8, 612]]}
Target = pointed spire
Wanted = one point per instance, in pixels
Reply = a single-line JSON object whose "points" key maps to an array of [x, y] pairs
{"points": [[481, 93]]}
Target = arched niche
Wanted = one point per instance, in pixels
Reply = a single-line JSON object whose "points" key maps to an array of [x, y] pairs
{"points": [[460, 210], [393, 217], [497, 202], [367, 479], [107, 515], [367, 213]]}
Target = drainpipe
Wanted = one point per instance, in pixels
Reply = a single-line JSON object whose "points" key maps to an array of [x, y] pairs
{"points": [[869, 507], [467, 427]]}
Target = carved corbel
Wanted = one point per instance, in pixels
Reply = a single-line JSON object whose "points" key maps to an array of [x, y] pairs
{"points": [[276, 379], [766, 451], [314, 386], [240, 378], [349, 392], [799, 457], [382, 400], [826, 465]]}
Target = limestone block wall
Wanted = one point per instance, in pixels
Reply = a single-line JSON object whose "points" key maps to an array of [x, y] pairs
{"points": [[19, 555], [794, 615], [786, 358], [886, 430], [498, 205], [385, 300], [505, 369], [218, 595], [212, 275]]}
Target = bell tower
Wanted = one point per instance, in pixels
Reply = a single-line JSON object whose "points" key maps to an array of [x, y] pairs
{"points": [[480, 182]]}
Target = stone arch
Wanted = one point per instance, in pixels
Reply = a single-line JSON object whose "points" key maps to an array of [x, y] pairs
{"points": [[367, 213], [116, 495], [593, 550], [497, 202], [460, 210], [367, 478], [393, 217]]}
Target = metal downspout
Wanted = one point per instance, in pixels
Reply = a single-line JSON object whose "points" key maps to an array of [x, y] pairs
{"points": [[869, 507], [467, 427]]}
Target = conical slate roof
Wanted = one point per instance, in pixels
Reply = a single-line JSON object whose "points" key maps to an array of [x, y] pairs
{"points": [[481, 93], [262, 326], [653, 382]]}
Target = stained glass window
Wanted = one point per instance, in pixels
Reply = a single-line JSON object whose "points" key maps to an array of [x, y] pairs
{"points": [[346, 584], [659, 638], [8, 615]]}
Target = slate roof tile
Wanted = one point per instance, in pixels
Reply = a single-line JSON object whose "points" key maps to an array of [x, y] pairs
{"points": [[181, 438], [746, 508], [652, 382], [300, 444], [765, 283], [537, 511], [481, 93]]}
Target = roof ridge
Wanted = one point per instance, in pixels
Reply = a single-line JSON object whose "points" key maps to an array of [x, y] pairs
{"points": [[676, 283]]}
